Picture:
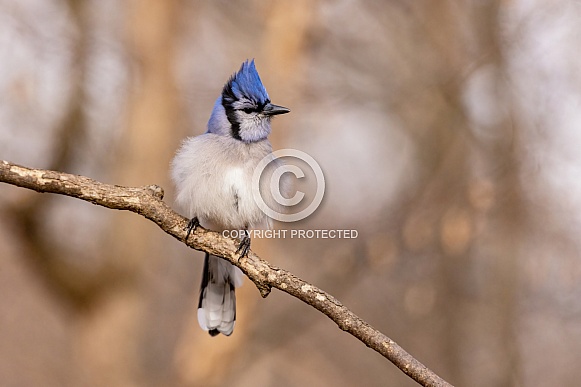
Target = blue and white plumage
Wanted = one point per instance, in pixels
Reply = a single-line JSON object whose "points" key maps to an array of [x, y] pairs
{"points": [[213, 176]]}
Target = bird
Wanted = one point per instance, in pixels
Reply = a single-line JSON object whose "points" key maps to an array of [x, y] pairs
{"points": [[213, 174]]}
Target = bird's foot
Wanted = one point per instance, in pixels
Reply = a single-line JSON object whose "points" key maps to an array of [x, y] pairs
{"points": [[191, 227], [244, 246]]}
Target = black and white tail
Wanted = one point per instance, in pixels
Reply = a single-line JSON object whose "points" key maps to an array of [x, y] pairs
{"points": [[217, 305]]}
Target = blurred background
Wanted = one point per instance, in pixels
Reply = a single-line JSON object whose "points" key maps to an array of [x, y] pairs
{"points": [[449, 133]]}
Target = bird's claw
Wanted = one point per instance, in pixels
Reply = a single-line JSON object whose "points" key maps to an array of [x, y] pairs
{"points": [[244, 246], [191, 227]]}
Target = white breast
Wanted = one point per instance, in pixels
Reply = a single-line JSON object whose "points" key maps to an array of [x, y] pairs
{"points": [[234, 180], [237, 186], [214, 173]]}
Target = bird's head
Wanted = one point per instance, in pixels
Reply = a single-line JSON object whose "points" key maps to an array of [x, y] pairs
{"points": [[244, 108]]}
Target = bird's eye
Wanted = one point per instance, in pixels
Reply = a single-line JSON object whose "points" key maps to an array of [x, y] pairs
{"points": [[249, 110]]}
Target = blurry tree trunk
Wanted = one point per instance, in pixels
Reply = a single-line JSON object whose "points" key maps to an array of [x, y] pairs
{"points": [[493, 246], [501, 243], [284, 48], [72, 285], [444, 219], [112, 333]]}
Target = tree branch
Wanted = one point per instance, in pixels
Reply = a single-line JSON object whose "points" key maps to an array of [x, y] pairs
{"points": [[147, 201]]}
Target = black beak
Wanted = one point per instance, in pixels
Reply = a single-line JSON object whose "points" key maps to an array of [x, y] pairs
{"points": [[272, 110]]}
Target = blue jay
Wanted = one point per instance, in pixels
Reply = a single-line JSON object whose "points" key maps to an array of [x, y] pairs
{"points": [[213, 176]]}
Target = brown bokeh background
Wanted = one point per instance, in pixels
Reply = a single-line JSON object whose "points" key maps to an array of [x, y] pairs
{"points": [[449, 133]]}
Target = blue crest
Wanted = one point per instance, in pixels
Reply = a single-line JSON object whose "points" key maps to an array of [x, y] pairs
{"points": [[245, 83]]}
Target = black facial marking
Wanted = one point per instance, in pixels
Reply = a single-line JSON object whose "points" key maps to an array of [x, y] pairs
{"points": [[234, 125], [228, 100]]}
